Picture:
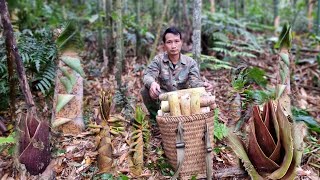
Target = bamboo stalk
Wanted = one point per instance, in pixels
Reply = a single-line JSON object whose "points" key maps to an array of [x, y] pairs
{"points": [[164, 96]]}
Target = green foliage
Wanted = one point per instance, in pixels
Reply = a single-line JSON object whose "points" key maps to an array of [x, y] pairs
{"points": [[70, 37], [106, 176], [7, 143], [302, 115], [63, 99], [247, 76], [212, 63], [73, 63], [38, 53], [285, 38], [220, 130], [142, 123]]}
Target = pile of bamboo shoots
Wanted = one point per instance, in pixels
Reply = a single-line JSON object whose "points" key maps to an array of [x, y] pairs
{"points": [[186, 102]]}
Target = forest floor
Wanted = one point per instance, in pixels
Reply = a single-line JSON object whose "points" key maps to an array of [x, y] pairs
{"points": [[75, 157]]}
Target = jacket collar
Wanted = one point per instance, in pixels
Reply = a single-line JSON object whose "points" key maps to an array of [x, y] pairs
{"points": [[182, 58]]}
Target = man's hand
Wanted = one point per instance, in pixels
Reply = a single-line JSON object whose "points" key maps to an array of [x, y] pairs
{"points": [[154, 90], [208, 86]]}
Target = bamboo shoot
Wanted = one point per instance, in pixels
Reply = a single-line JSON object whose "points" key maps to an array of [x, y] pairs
{"points": [[195, 103], [164, 96], [174, 104], [185, 104]]}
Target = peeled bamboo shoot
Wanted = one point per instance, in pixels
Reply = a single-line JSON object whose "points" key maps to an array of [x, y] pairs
{"points": [[195, 103], [204, 102], [185, 104], [174, 104], [164, 96], [165, 106], [205, 109]]}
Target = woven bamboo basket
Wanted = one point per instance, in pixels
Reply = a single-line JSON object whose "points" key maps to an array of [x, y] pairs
{"points": [[195, 153]]}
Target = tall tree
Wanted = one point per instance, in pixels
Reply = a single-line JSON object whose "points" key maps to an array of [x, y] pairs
{"points": [[188, 28], [196, 37], [212, 6], [310, 17], [109, 35], [32, 130], [276, 18], [100, 41], [138, 41], [119, 41], [155, 44], [318, 18], [236, 8]]}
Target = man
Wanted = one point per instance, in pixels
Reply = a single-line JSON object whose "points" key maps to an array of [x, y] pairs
{"points": [[170, 71]]}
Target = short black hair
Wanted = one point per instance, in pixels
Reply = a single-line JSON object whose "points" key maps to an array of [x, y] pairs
{"points": [[171, 30]]}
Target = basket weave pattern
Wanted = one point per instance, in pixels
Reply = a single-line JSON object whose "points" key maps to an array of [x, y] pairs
{"points": [[195, 152]]}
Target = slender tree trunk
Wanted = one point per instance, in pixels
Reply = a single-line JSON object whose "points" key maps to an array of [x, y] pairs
{"points": [[227, 7], [188, 29], [212, 6], [276, 19], [318, 18], [138, 45], [155, 44], [236, 8], [109, 34], [310, 17], [243, 6], [100, 42], [196, 37], [119, 42], [10, 65]]}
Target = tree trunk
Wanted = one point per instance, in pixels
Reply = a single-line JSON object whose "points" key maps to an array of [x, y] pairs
{"points": [[318, 18], [32, 131], [119, 42], [188, 29], [243, 6], [276, 19], [10, 65], [212, 6], [138, 45], [310, 17], [196, 37], [100, 42], [155, 44], [110, 39], [236, 8]]}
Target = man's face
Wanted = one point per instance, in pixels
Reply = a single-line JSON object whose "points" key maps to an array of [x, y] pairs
{"points": [[172, 44]]}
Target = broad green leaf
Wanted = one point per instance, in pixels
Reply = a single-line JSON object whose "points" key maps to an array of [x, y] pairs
{"points": [[286, 137], [310, 121], [285, 58], [69, 75], [236, 145], [9, 139], [285, 38], [67, 84], [70, 37], [280, 88], [63, 99], [73, 63]]}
